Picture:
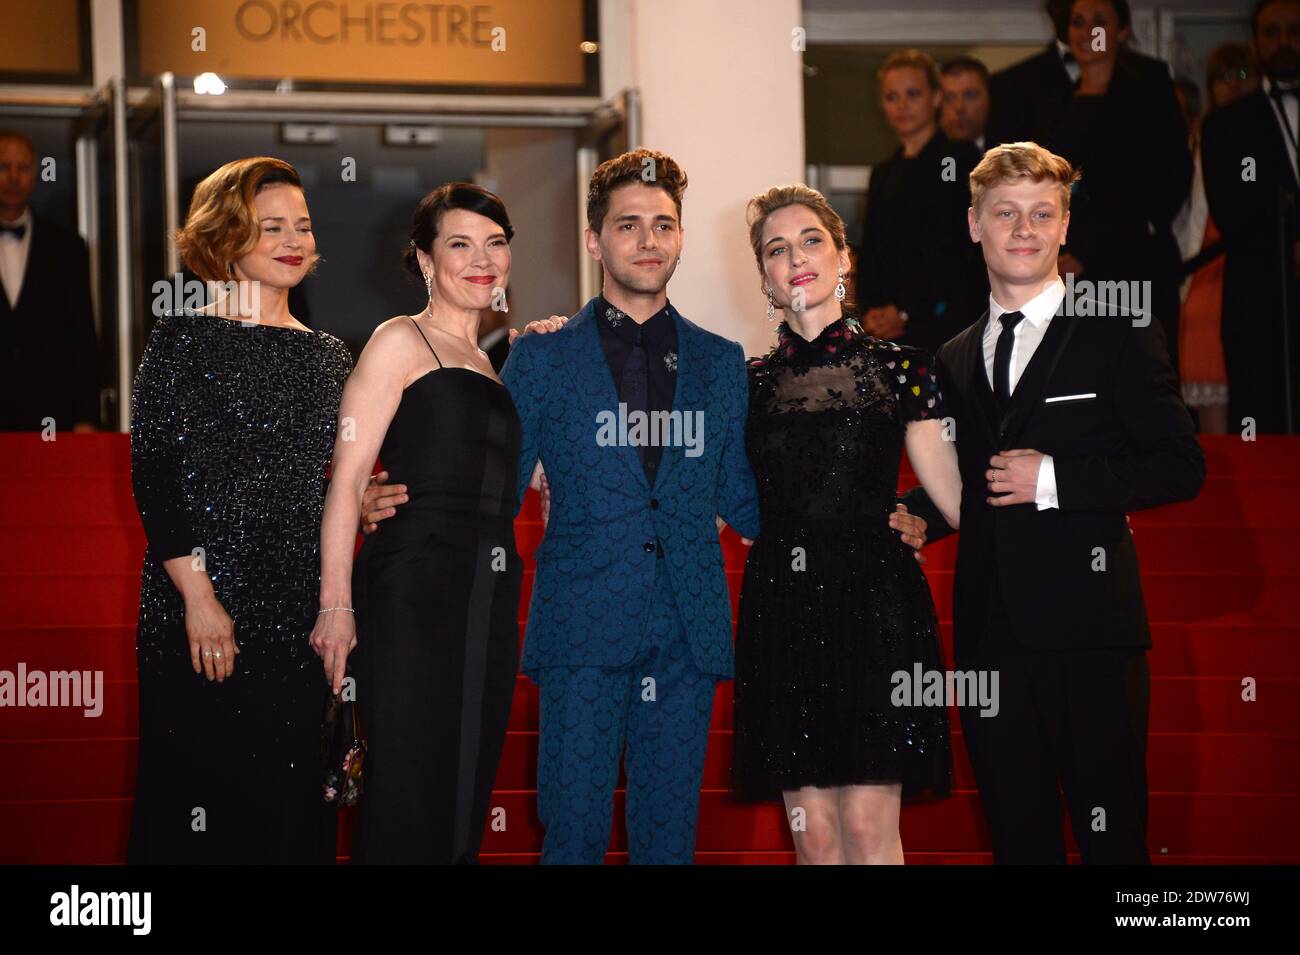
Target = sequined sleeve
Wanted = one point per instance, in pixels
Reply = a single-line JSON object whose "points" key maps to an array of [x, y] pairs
{"points": [[156, 444]]}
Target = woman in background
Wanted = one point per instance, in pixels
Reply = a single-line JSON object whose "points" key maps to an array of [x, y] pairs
{"points": [[1230, 73], [919, 279]]}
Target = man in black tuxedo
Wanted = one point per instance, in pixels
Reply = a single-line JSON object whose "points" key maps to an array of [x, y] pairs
{"points": [[1063, 424], [48, 348], [1248, 156]]}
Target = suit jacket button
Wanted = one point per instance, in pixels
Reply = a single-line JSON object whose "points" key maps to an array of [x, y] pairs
{"points": [[649, 547], [654, 503]]}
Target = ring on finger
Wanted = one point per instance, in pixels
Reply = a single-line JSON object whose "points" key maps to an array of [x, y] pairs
{"points": [[207, 654]]}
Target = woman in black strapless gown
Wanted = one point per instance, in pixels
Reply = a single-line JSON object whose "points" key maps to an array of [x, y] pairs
{"points": [[436, 587], [436, 592]]}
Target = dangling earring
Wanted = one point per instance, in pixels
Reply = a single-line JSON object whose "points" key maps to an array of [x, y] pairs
{"points": [[839, 288], [771, 310], [428, 284]]}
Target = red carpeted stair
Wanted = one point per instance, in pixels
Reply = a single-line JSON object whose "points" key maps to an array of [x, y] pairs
{"points": [[1222, 579]]}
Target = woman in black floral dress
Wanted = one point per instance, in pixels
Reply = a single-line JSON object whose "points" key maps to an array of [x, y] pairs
{"points": [[833, 603]]}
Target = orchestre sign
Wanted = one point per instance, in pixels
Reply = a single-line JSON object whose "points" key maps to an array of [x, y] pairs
{"points": [[503, 43]]}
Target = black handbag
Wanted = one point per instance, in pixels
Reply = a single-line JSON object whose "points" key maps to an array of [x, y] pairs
{"points": [[343, 751]]}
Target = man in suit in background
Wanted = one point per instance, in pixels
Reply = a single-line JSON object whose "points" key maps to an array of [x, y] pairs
{"points": [[48, 348], [1063, 424], [494, 337], [965, 111], [1248, 154]]}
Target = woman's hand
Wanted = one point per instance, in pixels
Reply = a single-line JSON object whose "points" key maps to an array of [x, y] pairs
{"points": [[211, 633], [333, 638]]}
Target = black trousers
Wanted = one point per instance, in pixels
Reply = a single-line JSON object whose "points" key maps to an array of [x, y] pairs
{"points": [[1077, 718]]}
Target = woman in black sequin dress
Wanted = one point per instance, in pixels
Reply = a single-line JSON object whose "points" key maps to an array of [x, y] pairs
{"points": [[833, 602], [436, 587], [231, 431]]}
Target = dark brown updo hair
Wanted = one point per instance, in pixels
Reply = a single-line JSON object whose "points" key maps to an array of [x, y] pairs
{"points": [[429, 213]]}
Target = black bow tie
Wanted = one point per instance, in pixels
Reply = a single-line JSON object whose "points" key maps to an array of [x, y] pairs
{"points": [[17, 231], [1068, 57]]}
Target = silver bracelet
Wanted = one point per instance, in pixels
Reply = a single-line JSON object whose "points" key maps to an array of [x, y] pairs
{"points": [[328, 609]]}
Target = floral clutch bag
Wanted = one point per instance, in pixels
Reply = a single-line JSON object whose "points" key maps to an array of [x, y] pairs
{"points": [[343, 751]]}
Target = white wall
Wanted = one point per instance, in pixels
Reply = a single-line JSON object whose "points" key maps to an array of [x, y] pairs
{"points": [[722, 93]]}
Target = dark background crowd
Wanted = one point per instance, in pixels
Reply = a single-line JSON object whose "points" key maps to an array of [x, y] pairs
{"points": [[1198, 199]]}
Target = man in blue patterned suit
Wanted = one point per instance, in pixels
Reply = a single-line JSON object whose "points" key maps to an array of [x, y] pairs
{"points": [[637, 416]]}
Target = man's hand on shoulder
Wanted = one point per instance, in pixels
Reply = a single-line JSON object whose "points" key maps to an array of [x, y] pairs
{"points": [[540, 327]]}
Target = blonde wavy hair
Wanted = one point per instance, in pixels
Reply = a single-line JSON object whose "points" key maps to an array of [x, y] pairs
{"points": [[222, 223], [1010, 162]]}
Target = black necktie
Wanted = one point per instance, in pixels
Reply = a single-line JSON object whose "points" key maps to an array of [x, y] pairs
{"points": [[1002, 356], [636, 383], [17, 231]]}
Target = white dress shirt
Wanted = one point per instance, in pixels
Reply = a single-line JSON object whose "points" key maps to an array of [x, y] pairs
{"points": [[1026, 337], [1291, 119], [1072, 68], [13, 258]]}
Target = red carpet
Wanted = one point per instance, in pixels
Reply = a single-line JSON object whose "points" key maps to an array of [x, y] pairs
{"points": [[1222, 579]]}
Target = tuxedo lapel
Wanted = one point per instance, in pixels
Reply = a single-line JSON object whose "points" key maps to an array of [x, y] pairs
{"points": [[1267, 120], [37, 252], [974, 378], [597, 382], [1029, 389]]}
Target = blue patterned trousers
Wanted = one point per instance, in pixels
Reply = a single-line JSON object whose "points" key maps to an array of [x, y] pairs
{"points": [[659, 707]]}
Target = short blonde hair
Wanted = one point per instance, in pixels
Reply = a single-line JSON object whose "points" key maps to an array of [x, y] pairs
{"points": [[778, 197], [911, 59], [1014, 161], [222, 223]]}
